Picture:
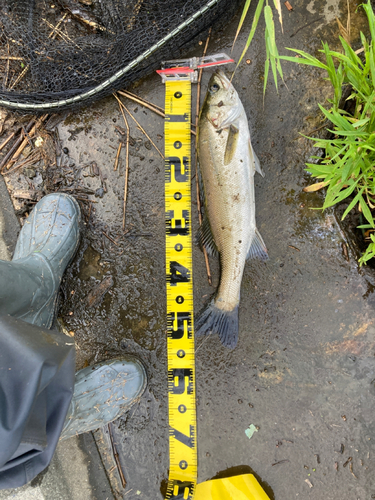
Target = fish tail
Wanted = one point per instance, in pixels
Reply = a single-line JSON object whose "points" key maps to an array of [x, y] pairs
{"points": [[224, 323]]}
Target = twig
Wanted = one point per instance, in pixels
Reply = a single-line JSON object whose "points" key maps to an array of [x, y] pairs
{"points": [[32, 159], [64, 36], [126, 180], [137, 98], [209, 277], [280, 462], [127, 163], [140, 127], [117, 156], [12, 58], [156, 109], [13, 149], [54, 32], [306, 25], [153, 107], [7, 140], [110, 239], [117, 458], [27, 136], [20, 76], [325, 124], [31, 134]]}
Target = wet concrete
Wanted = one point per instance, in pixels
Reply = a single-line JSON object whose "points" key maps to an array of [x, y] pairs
{"points": [[304, 368]]}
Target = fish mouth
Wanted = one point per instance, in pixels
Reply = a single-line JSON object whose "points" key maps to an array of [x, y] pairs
{"points": [[223, 78]]}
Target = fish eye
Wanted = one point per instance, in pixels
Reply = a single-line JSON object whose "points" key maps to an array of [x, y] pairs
{"points": [[214, 88]]}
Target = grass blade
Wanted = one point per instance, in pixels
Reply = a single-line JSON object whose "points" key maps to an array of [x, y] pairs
{"points": [[244, 13], [272, 51], [278, 8], [366, 211], [253, 28], [266, 70], [352, 204]]}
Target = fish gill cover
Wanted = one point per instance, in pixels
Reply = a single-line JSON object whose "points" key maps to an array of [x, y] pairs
{"points": [[61, 54]]}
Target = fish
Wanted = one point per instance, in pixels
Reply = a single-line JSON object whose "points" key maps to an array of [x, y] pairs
{"points": [[227, 164]]}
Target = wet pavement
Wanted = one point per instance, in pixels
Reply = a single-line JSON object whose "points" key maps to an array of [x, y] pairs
{"points": [[304, 368]]}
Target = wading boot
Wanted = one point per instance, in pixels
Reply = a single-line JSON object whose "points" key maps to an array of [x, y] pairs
{"points": [[46, 244], [102, 393]]}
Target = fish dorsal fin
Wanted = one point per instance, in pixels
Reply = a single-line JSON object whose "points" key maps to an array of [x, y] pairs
{"points": [[254, 160], [232, 142], [205, 237], [258, 249]]}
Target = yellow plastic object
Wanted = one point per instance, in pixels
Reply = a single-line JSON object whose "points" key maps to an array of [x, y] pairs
{"points": [[243, 487]]}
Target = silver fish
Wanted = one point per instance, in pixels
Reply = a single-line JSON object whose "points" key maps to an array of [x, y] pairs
{"points": [[227, 164]]}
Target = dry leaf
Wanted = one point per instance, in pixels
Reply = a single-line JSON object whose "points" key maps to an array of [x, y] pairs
{"points": [[315, 187]]}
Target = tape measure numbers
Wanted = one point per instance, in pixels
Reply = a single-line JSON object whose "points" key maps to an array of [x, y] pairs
{"points": [[179, 270]]}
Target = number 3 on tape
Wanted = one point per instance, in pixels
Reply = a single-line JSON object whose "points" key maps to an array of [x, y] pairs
{"points": [[180, 334]]}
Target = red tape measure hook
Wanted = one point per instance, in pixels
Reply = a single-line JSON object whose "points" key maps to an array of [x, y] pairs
{"points": [[186, 69]]}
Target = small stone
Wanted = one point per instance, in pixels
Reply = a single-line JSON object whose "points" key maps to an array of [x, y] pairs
{"points": [[65, 151], [248, 61], [99, 193], [148, 145]]}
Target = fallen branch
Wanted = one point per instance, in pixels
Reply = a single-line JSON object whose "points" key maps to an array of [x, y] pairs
{"points": [[117, 458], [127, 162], [209, 277]]}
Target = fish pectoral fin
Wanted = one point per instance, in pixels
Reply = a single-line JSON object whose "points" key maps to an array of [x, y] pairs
{"points": [[255, 160], [205, 237], [258, 249], [232, 142]]}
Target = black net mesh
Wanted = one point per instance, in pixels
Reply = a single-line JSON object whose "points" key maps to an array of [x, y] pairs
{"points": [[61, 54]]}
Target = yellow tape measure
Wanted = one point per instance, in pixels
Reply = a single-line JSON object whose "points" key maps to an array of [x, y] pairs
{"points": [[183, 467], [179, 270]]}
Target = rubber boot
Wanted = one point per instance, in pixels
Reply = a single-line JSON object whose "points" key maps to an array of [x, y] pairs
{"points": [[46, 244], [102, 393]]}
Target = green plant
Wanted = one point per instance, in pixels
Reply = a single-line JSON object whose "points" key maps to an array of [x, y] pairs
{"points": [[272, 55], [348, 168]]}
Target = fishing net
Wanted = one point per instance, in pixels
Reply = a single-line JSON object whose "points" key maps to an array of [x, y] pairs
{"points": [[58, 54]]}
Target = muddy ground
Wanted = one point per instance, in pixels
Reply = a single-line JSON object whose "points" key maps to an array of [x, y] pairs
{"points": [[304, 368]]}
